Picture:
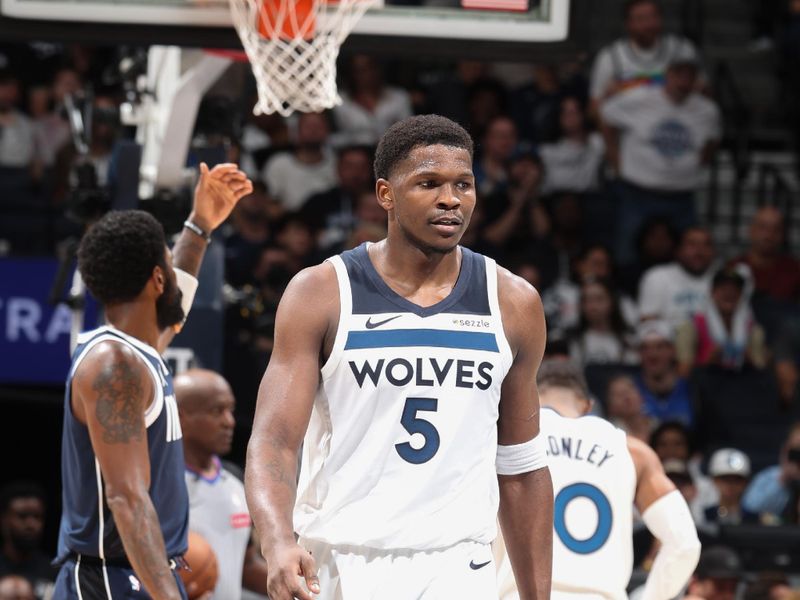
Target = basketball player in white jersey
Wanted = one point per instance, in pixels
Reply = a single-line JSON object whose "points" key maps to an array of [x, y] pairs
{"points": [[125, 509], [409, 365], [599, 474]]}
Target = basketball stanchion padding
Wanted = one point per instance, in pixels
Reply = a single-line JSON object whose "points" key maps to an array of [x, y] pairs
{"points": [[292, 46]]}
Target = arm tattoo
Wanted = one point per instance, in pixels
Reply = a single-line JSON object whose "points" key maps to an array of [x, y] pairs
{"points": [[118, 410]]}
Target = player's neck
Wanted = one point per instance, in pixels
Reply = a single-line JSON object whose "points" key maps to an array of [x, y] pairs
{"points": [[405, 266], [136, 319]]}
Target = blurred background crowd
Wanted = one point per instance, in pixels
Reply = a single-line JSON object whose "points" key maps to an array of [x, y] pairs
{"points": [[646, 188]]}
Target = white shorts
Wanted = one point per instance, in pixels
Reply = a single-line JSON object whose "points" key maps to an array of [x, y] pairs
{"points": [[465, 571]]}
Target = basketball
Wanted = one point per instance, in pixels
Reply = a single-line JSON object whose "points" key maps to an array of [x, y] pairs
{"points": [[203, 564]]}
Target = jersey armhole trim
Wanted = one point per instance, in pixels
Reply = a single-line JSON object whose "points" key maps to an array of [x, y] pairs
{"points": [[494, 306], [345, 309]]}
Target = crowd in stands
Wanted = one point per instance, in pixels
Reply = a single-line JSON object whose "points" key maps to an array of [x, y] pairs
{"points": [[588, 176]]}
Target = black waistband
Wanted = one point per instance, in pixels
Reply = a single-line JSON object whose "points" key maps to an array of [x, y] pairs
{"points": [[175, 562]]}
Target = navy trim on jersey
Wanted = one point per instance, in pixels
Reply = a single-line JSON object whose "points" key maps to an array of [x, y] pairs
{"points": [[372, 295], [433, 338]]}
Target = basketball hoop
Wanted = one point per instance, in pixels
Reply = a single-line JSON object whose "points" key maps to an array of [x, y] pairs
{"points": [[292, 46]]}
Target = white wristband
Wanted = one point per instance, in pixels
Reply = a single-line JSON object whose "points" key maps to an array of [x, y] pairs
{"points": [[521, 458], [187, 284]]}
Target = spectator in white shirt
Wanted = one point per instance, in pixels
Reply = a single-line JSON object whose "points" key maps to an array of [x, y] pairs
{"points": [[640, 58], [17, 148], [572, 163], [602, 335], [676, 291], [369, 107], [292, 177], [496, 150], [659, 141]]}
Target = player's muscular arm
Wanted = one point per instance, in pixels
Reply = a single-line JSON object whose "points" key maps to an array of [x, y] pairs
{"points": [[307, 313], [667, 516], [526, 500], [217, 192], [111, 392]]}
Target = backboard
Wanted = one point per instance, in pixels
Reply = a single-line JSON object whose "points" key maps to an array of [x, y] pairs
{"points": [[444, 28]]}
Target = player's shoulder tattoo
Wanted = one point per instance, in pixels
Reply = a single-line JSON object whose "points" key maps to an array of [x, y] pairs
{"points": [[118, 409]]}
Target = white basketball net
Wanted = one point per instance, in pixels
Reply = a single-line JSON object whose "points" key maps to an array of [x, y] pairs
{"points": [[295, 74]]}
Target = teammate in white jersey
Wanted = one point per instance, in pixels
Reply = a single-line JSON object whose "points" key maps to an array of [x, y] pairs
{"points": [[217, 506], [409, 365], [599, 474]]}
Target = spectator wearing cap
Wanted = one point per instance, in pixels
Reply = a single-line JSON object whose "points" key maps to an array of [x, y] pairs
{"points": [[724, 333], [677, 290], [659, 141], [666, 394], [772, 490], [730, 470], [640, 58], [717, 575]]}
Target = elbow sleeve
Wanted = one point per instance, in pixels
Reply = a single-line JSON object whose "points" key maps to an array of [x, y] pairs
{"points": [[669, 520]]}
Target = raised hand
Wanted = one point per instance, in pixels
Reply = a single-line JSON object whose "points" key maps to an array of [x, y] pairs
{"points": [[217, 192]]}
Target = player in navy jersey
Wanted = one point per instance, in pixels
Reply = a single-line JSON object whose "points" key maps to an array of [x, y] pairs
{"points": [[125, 507], [409, 367]]}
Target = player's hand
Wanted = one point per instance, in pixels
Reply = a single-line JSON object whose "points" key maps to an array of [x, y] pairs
{"points": [[217, 192], [292, 573]]}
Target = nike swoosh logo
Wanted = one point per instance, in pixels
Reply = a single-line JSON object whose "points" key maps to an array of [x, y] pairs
{"points": [[373, 324], [475, 567]]}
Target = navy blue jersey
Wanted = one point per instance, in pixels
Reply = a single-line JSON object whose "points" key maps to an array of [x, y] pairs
{"points": [[87, 525]]}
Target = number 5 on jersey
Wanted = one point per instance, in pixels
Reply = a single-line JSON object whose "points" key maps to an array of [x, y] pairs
{"points": [[416, 424]]}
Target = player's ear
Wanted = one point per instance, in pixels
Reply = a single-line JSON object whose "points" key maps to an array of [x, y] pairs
{"points": [[383, 191], [589, 404], [159, 279]]}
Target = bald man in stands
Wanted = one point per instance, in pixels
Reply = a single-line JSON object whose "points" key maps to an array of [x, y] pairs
{"points": [[217, 507], [14, 587], [776, 272]]}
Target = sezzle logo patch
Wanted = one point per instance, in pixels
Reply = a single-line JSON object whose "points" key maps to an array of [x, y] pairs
{"points": [[478, 323]]}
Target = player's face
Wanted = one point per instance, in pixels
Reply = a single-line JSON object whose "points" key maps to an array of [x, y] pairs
{"points": [[169, 311], [430, 197]]}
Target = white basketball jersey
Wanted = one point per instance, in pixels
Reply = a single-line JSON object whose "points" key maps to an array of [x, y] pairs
{"points": [[594, 485], [400, 450]]}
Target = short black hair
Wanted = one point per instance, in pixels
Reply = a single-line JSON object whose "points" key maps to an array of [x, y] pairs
{"points": [[118, 253], [564, 374], [658, 432], [423, 130], [631, 4], [20, 489]]}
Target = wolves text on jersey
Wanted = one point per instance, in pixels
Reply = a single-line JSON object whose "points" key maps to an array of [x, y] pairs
{"points": [[424, 372]]}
